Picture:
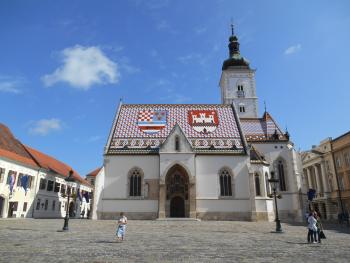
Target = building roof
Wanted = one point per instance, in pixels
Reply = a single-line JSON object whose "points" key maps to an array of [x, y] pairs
{"points": [[256, 157], [13, 149], [206, 126], [47, 162], [262, 129], [94, 172]]}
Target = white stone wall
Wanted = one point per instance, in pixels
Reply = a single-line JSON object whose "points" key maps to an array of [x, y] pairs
{"points": [[208, 185], [18, 194], [230, 79], [34, 195], [291, 201], [115, 195]]}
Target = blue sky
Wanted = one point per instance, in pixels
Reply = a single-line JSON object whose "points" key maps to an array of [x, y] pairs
{"points": [[65, 64]]}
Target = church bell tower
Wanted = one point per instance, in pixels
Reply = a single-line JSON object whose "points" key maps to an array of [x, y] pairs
{"points": [[237, 82]]}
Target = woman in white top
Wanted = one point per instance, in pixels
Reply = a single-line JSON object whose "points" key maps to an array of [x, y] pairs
{"points": [[311, 236], [121, 226]]}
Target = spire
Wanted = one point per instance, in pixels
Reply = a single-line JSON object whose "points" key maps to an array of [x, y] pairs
{"points": [[235, 59], [234, 44]]}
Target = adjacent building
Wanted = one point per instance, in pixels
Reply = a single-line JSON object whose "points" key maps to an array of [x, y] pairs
{"points": [[326, 169], [32, 183]]}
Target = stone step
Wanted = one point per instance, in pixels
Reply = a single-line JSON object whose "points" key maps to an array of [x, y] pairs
{"points": [[178, 219]]}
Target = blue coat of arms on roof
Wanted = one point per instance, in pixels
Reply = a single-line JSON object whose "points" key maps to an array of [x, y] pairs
{"points": [[151, 121]]}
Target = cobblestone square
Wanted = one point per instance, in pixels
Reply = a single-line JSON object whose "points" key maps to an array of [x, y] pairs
{"points": [[40, 240]]}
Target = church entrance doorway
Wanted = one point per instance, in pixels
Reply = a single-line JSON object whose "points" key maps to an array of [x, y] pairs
{"points": [[177, 207], [177, 202]]}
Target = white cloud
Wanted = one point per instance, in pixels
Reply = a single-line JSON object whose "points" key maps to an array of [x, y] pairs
{"points": [[45, 126], [292, 49], [83, 67], [10, 84]]}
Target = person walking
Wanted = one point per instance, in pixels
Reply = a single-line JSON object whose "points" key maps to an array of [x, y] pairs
{"points": [[312, 229], [122, 222]]}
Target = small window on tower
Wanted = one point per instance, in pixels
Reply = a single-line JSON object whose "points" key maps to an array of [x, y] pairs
{"points": [[240, 87], [241, 109], [177, 143]]}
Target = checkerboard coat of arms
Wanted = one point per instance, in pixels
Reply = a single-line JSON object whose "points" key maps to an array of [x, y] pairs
{"points": [[205, 121], [151, 121]]}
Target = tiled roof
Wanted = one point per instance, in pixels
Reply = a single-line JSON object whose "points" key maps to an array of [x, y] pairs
{"points": [[94, 172], [221, 133], [13, 149], [262, 129], [50, 163], [256, 157]]}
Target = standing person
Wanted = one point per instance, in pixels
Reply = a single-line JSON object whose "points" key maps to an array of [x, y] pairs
{"points": [[121, 226], [311, 236], [318, 225]]}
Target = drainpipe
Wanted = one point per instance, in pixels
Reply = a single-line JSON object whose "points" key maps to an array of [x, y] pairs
{"points": [[36, 192], [338, 184]]}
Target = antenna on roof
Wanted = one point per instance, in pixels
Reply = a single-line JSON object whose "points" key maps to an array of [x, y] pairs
{"points": [[265, 105]]}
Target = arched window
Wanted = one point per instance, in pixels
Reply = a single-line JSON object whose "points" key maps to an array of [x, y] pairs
{"points": [[135, 182], [257, 185], [268, 191], [225, 183], [281, 175], [241, 107], [177, 143]]}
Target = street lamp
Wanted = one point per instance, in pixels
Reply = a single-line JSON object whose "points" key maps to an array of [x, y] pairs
{"points": [[69, 180], [274, 183]]}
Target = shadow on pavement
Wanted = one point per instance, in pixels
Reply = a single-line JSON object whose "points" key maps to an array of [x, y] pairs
{"points": [[107, 242]]}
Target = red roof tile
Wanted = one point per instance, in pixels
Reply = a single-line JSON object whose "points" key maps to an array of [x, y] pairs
{"points": [[50, 163], [94, 172], [13, 149]]}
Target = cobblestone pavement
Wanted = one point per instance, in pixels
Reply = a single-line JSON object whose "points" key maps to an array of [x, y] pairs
{"points": [[39, 240]]}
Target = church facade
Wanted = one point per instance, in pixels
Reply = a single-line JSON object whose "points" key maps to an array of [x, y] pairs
{"points": [[204, 161]]}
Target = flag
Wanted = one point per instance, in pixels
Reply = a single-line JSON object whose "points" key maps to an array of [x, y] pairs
{"points": [[12, 182], [24, 182], [311, 194], [86, 195], [151, 121], [79, 195]]}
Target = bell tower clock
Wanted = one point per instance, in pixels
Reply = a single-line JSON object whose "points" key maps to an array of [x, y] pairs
{"points": [[237, 82]]}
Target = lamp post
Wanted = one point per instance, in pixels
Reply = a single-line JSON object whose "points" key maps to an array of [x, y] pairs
{"points": [[274, 182], [69, 180]]}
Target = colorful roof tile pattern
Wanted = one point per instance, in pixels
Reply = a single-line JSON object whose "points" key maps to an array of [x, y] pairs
{"points": [[127, 134], [262, 129]]}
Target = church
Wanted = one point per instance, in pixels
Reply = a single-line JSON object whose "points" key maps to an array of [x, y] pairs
{"points": [[200, 161]]}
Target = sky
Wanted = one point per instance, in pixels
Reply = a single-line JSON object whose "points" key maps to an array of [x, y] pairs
{"points": [[65, 65]]}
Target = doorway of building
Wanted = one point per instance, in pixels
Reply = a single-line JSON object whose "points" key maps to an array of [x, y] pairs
{"points": [[2, 202], [177, 207], [177, 193], [12, 208]]}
